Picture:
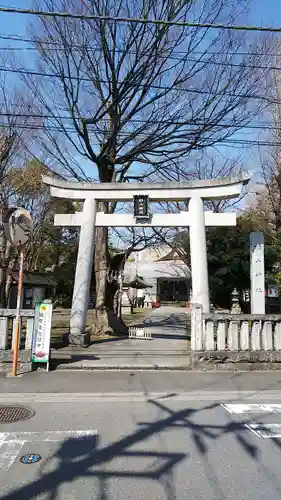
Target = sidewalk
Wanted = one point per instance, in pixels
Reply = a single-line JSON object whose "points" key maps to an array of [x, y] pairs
{"points": [[136, 382], [167, 349]]}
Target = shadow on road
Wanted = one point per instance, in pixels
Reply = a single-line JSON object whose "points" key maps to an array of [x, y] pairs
{"points": [[86, 457], [173, 321]]}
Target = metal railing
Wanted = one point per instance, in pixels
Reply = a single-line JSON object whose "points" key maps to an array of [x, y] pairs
{"points": [[139, 333]]}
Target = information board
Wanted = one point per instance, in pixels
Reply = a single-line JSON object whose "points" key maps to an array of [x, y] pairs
{"points": [[42, 333]]}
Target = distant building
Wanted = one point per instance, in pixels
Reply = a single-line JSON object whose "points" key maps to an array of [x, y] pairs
{"points": [[36, 287], [163, 270]]}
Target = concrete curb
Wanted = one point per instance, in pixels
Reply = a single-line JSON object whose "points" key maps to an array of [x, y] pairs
{"points": [[123, 354], [187, 366], [125, 367]]}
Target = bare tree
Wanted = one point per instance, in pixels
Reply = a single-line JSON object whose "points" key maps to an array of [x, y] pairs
{"points": [[266, 199], [16, 131], [127, 101], [11, 147], [208, 166]]}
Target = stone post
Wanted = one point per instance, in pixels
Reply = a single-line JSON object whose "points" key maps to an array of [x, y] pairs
{"points": [[197, 324], [257, 273], [83, 274], [198, 253]]}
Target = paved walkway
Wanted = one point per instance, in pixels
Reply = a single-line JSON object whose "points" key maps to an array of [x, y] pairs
{"points": [[168, 328], [168, 347]]}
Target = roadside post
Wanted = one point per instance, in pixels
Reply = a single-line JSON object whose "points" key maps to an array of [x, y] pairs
{"points": [[17, 224]]}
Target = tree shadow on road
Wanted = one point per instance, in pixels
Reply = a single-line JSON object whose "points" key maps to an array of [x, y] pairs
{"points": [[87, 457]]}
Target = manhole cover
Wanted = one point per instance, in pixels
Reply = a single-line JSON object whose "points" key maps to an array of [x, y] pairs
{"points": [[15, 413], [31, 458]]}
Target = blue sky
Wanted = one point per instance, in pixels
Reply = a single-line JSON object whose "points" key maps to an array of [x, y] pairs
{"points": [[13, 23], [266, 12], [262, 12]]}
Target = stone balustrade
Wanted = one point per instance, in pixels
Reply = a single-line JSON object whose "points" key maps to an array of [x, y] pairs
{"points": [[234, 332], [7, 328]]}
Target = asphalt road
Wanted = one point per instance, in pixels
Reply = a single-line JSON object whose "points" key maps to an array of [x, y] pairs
{"points": [[169, 436]]}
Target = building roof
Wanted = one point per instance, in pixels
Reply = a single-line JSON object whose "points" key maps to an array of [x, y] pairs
{"points": [[157, 253], [173, 255], [137, 282], [35, 278], [153, 270]]}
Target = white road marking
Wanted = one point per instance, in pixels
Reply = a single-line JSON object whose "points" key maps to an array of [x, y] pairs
{"points": [[51, 436], [265, 431], [261, 430], [11, 443], [8, 453], [239, 409]]}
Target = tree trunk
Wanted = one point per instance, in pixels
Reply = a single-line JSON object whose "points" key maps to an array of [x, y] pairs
{"points": [[119, 297], [101, 324], [5, 278], [106, 322], [8, 286]]}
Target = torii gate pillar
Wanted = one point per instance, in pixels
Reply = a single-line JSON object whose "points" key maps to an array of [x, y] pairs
{"points": [[198, 254], [196, 218], [83, 273]]}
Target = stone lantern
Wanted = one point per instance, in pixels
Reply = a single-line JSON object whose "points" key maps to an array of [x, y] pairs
{"points": [[235, 308]]}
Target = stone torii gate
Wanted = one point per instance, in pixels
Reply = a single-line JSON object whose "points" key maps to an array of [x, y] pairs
{"points": [[195, 218]]}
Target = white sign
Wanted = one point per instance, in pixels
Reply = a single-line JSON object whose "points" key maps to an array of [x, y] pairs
{"points": [[42, 333], [257, 273]]}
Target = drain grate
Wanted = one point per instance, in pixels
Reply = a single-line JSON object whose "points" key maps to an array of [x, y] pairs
{"points": [[15, 413]]}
